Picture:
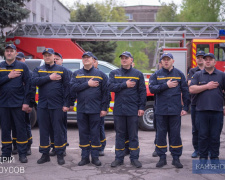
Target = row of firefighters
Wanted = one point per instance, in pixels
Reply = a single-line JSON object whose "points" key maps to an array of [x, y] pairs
{"points": [[59, 88]]}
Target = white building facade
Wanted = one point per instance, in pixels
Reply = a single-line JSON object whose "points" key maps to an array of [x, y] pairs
{"points": [[47, 11]]}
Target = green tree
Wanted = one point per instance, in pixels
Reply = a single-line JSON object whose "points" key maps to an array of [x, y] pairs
{"points": [[11, 12], [111, 11], [167, 13], [104, 50], [201, 10]]}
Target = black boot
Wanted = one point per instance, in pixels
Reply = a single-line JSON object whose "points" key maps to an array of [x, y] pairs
{"points": [[23, 158], [116, 163], [176, 163], [84, 161], [96, 161], [44, 158], [52, 153], [136, 163], [154, 154], [60, 159], [162, 162]]}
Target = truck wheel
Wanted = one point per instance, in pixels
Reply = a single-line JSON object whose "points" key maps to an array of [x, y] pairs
{"points": [[146, 121], [33, 117]]}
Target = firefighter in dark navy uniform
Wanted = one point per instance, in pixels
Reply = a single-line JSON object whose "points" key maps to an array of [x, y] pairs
{"points": [[91, 88], [59, 61], [14, 102], [53, 83], [130, 98], [192, 71], [21, 57], [102, 122], [168, 84], [209, 85]]}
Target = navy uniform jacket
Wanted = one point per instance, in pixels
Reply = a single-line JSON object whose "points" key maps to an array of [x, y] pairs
{"points": [[190, 74], [32, 92], [90, 100], [14, 92], [127, 100], [71, 99], [168, 100], [52, 94], [211, 99]]}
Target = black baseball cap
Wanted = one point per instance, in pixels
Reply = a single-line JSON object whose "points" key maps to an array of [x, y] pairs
{"points": [[127, 54], [58, 54], [49, 50]]}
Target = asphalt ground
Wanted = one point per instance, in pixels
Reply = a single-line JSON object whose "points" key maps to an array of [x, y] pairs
{"points": [[71, 171]]}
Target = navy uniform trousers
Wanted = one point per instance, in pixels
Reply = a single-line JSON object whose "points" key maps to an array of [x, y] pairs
{"points": [[46, 119], [8, 117], [28, 130], [171, 124], [124, 124], [194, 128], [64, 129], [102, 134], [209, 124], [89, 134]]}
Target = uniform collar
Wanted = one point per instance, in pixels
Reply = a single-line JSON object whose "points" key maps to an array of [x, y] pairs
{"points": [[48, 66], [166, 70], [214, 72], [89, 69], [11, 65], [126, 70]]}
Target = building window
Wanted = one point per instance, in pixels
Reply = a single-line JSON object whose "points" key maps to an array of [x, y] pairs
{"points": [[34, 17], [42, 19], [129, 16]]}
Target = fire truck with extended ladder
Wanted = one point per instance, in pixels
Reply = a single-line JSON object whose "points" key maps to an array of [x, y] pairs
{"points": [[32, 38]]}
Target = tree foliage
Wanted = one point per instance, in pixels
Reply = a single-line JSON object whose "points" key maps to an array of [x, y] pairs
{"points": [[109, 10], [167, 13], [11, 12], [201, 10], [97, 12]]}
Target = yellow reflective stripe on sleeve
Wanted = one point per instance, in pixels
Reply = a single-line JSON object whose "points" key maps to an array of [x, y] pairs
{"points": [[30, 138], [96, 146], [52, 143], [44, 146], [98, 77], [23, 142], [11, 69], [168, 78], [120, 149], [123, 77], [127, 142], [161, 146], [7, 142], [60, 72], [84, 145], [103, 140], [133, 149], [61, 146], [176, 146], [14, 138]]}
